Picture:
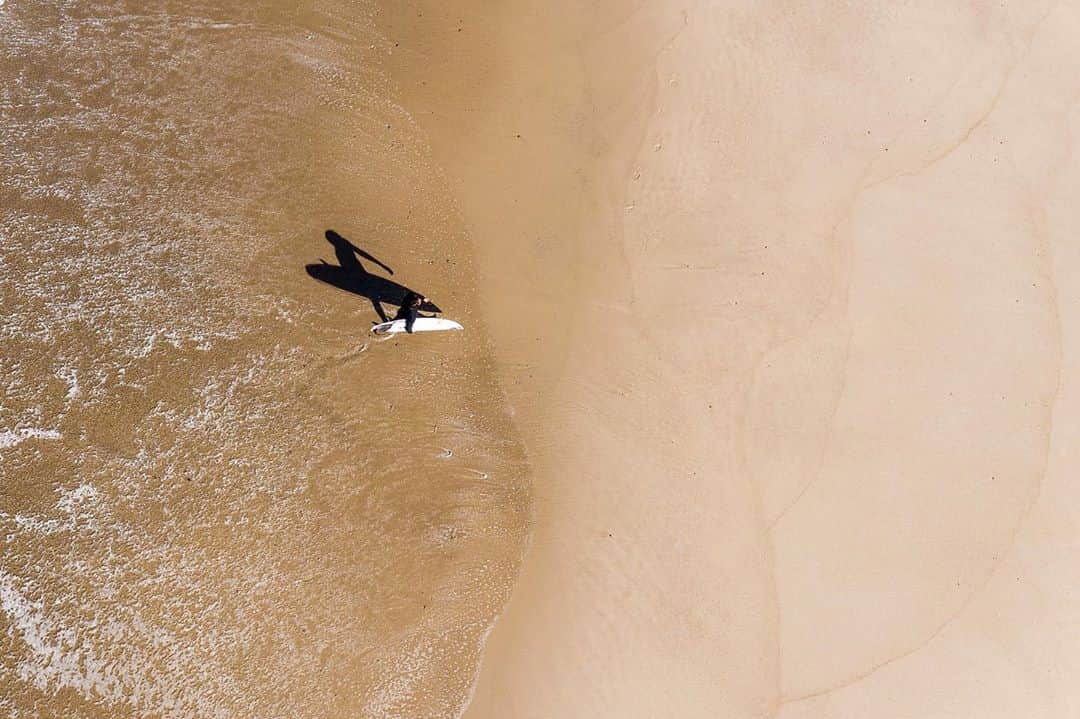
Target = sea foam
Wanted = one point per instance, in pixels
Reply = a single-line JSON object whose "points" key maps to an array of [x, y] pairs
{"points": [[10, 438]]}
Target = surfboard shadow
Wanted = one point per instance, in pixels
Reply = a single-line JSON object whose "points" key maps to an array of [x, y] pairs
{"points": [[350, 275]]}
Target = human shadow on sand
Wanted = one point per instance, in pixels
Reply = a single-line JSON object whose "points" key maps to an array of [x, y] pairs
{"points": [[351, 276]]}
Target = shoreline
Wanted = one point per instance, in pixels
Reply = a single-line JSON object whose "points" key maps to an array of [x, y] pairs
{"points": [[764, 409], [587, 440]]}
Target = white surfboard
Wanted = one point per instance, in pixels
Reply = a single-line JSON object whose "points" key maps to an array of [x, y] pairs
{"points": [[422, 324]]}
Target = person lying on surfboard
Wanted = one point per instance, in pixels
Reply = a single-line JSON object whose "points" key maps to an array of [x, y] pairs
{"points": [[410, 309]]}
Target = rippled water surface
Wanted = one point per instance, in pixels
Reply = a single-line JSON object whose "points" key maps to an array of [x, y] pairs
{"points": [[218, 496]]}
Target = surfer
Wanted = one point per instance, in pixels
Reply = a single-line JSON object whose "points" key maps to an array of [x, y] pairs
{"points": [[410, 309]]}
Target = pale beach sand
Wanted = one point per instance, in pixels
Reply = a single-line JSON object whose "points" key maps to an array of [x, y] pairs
{"points": [[784, 302]]}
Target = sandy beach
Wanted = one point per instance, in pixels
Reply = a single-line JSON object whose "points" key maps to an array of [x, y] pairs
{"points": [[779, 303], [764, 407]]}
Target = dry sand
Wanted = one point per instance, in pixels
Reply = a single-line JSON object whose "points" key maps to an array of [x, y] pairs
{"points": [[784, 297]]}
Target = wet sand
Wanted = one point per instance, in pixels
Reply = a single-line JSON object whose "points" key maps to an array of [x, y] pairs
{"points": [[219, 496]]}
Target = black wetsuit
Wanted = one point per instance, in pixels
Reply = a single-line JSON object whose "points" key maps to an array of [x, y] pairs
{"points": [[409, 310]]}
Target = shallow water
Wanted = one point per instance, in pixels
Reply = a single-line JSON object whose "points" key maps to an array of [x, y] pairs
{"points": [[218, 495]]}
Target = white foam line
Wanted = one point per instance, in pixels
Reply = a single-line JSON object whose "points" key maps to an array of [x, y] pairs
{"points": [[10, 438], [71, 376], [57, 659]]}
